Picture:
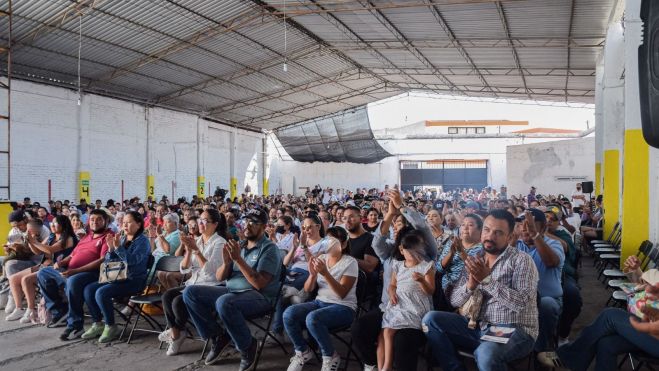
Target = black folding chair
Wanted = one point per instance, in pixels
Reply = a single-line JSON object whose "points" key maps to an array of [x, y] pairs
{"points": [[165, 264], [270, 315]]}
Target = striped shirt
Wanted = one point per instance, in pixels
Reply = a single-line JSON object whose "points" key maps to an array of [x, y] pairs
{"points": [[510, 296]]}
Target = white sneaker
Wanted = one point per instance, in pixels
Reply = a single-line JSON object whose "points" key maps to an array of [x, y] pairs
{"points": [[370, 368], [175, 344], [165, 336], [4, 298], [15, 315], [331, 363], [299, 298], [9, 308], [30, 316], [289, 291], [299, 359], [126, 311]]}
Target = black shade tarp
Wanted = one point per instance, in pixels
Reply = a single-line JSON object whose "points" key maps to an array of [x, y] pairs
{"points": [[342, 137]]}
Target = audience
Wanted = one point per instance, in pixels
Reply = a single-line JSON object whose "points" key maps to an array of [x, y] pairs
{"points": [[505, 262]]}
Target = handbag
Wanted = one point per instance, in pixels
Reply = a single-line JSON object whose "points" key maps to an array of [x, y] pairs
{"points": [[113, 271]]}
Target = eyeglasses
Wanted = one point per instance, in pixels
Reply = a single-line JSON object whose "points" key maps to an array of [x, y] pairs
{"points": [[309, 226], [251, 223]]}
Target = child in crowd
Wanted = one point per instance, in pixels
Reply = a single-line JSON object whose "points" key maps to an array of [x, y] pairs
{"points": [[410, 296]]}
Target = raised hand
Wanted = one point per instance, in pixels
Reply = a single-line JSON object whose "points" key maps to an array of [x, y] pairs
{"points": [[632, 263], [233, 248]]}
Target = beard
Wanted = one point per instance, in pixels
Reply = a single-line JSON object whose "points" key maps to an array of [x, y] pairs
{"points": [[354, 228], [491, 248]]}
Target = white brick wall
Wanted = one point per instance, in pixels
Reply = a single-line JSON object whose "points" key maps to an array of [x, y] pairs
{"points": [[54, 138]]}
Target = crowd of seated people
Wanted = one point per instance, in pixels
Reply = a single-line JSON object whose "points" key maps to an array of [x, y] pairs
{"points": [[443, 273]]}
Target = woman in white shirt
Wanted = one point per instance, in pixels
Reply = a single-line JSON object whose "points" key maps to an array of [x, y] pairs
{"points": [[335, 274], [201, 260], [283, 236]]}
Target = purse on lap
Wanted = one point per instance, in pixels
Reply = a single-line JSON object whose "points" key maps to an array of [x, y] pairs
{"points": [[113, 271]]}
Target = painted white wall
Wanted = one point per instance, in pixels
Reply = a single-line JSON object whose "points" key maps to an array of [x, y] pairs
{"points": [[54, 138], [539, 164]]}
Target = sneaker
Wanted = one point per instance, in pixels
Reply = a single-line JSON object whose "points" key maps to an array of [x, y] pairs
{"points": [[93, 332], [175, 344], [165, 336], [127, 310], [109, 334], [551, 360], [15, 315], [370, 368], [563, 341], [218, 344], [248, 359], [9, 308], [331, 363], [289, 291], [299, 359], [71, 334], [299, 298], [30, 316], [58, 321]]}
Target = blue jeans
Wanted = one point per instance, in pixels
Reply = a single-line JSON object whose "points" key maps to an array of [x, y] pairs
{"points": [[50, 281], [446, 332], [572, 304], [608, 336], [549, 311], [203, 302], [98, 297], [297, 282], [75, 288], [319, 319]]}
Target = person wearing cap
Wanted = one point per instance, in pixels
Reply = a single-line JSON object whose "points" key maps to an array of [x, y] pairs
{"points": [[472, 207], [549, 258], [251, 271]]}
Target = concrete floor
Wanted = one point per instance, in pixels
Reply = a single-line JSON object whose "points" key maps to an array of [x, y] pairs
{"points": [[31, 347]]}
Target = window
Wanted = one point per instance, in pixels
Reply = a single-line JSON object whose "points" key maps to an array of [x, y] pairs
{"points": [[466, 130]]}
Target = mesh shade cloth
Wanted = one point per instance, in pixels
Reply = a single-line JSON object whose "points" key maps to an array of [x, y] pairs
{"points": [[342, 137]]}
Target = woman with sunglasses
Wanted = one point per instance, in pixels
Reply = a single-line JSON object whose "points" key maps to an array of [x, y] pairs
{"points": [[201, 259]]}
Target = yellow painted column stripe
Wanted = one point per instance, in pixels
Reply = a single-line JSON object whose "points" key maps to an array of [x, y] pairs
{"points": [[266, 187], [84, 186], [635, 192], [201, 186], [611, 189], [598, 179], [233, 187], [151, 187]]}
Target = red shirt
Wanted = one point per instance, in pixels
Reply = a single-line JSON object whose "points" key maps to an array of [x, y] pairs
{"points": [[89, 249]]}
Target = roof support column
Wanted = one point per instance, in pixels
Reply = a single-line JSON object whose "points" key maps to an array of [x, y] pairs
{"points": [[636, 152], [265, 167], [233, 180], [614, 121]]}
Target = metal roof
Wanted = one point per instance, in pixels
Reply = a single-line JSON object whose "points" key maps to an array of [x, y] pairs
{"points": [[224, 59]]}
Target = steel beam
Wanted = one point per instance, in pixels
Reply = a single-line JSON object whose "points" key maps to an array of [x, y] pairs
{"points": [[504, 23], [389, 25], [569, 49]]}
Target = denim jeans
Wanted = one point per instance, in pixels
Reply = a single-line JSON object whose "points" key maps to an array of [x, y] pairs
{"points": [[319, 318], [572, 304], [49, 281], [75, 288], [203, 302], [549, 311], [98, 297], [447, 332], [608, 336]]}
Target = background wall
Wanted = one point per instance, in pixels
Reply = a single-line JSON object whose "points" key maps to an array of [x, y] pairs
{"points": [[54, 138], [539, 164]]}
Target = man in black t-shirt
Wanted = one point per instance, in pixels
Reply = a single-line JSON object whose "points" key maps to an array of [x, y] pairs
{"points": [[360, 241]]}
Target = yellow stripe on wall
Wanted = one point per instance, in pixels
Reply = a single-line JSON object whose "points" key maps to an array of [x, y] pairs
{"points": [[233, 187], [598, 179], [635, 193], [266, 187], [611, 189]]}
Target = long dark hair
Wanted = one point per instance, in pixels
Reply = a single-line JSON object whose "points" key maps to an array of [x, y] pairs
{"points": [[399, 240], [137, 217], [67, 229], [217, 217]]}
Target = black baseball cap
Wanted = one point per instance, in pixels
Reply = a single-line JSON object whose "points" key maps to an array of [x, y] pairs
{"points": [[257, 216]]}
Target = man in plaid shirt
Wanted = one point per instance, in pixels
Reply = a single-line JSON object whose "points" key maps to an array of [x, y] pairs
{"points": [[508, 280]]}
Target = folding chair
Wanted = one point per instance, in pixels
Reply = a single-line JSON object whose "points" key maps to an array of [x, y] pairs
{"points": [[270, 315], [643, 360], [643, 253], [610, 237], [165, 264]]}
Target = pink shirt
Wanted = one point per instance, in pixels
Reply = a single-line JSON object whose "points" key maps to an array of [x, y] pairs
{"points": [[89, 249]]}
